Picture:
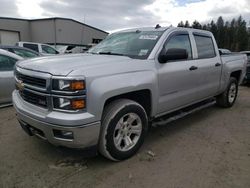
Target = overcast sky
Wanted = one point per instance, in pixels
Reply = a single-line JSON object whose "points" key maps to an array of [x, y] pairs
{"points": [[111, 15]]}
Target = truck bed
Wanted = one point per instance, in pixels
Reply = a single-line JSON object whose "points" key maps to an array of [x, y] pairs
{"points": [[232, 62]]}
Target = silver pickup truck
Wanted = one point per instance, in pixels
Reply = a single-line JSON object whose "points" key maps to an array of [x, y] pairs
{"points": [[110, 96]]}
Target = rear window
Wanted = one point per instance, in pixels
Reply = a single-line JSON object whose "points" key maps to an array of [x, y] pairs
{"points": [[31, 46], [24, 53], [205, 46]]}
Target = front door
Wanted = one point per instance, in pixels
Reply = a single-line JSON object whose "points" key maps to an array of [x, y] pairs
{"points": [[177, 79]]}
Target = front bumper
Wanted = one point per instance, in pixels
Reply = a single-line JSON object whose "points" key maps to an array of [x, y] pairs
{"points": [[84, 136]]}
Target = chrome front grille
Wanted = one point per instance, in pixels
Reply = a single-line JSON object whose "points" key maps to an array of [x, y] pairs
{"points": [[33, 81], [36, 88], [34, 98], [33, 89]]}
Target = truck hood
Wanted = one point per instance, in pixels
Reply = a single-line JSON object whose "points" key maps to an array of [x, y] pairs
{"points": [[83, 64]]}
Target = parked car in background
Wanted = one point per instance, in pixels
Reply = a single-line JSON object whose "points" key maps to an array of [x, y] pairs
{"points": [[109, 96], [71, 49], [224, 51], [247, 77], [43, 49], [7, 81], [21, 51]]}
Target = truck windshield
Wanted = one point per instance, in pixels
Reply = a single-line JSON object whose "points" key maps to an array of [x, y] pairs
{"points": [[136, 44]]}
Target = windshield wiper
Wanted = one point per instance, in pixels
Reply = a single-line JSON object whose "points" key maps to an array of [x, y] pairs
{"points": [[110, 53], [91, 52]]}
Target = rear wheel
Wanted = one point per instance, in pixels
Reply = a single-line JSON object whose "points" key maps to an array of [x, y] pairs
{"points": [[228, 97], [124, 126]]}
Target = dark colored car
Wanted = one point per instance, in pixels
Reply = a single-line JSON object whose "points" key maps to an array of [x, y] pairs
{"points": [[21, 51], [247, 77]]}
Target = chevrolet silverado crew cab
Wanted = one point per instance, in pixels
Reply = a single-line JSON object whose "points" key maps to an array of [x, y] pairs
{"points": [[109, 96]]}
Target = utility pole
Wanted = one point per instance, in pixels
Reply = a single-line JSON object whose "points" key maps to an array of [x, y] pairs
{"points": [[82, 37], [55, 32]]}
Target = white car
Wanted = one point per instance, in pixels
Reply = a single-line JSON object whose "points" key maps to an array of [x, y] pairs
{"points": [[224, 51], [43, 49], [7, 82], [71, 49]]}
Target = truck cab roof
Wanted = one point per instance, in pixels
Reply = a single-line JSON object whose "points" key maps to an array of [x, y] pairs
{"points": [[170, 28]]}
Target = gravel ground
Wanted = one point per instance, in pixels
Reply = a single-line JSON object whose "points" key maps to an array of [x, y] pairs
{"points": [[210, 148]]}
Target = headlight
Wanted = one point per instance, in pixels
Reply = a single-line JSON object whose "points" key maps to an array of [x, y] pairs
{"points": [[68, 85], [73, 104]]}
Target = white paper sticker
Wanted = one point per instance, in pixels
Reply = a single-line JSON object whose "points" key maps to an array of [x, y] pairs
{"points": [[143, 52], [148, 37]]}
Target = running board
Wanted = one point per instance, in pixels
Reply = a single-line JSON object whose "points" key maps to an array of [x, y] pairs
{"points": [[5, 105], [182, 113]]}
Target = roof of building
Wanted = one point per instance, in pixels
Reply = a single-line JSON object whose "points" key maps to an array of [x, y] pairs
{"points": [[54, 18]]}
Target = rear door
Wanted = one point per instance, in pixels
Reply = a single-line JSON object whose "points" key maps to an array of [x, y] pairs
{"points": [[208, 64], [7, 83], [177, 83]]}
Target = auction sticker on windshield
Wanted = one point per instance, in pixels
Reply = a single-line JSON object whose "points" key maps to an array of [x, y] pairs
{"points": [[143, 52], [148, 37]]}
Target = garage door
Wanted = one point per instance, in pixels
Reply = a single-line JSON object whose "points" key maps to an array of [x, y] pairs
{"points": [[9, 37]]}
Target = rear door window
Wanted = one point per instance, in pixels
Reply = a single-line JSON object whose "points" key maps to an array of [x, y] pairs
{"points": [[7, 63], [31, 46], [205, 46]]}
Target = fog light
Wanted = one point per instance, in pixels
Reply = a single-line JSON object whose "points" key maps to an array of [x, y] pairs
{"points": [[63, 134]]}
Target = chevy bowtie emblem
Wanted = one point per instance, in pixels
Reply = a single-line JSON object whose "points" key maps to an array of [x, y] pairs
{"points": [[20, 85]]}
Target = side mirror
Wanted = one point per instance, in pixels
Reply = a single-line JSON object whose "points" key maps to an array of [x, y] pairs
{"points": [[172, 54]]}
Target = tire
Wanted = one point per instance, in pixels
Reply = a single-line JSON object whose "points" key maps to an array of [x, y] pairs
{"points": [[228, 97], [124, 127]]}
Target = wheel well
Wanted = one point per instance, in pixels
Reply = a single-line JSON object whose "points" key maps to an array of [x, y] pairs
{"points": [[236, 74], [143, 97]]}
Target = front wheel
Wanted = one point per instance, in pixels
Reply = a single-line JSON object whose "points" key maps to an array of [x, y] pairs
{"points": [[124, 126], [228, 97]]}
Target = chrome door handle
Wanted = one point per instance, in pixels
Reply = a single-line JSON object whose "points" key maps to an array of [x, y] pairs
{"points": [[193, 68], [217, 64]]}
